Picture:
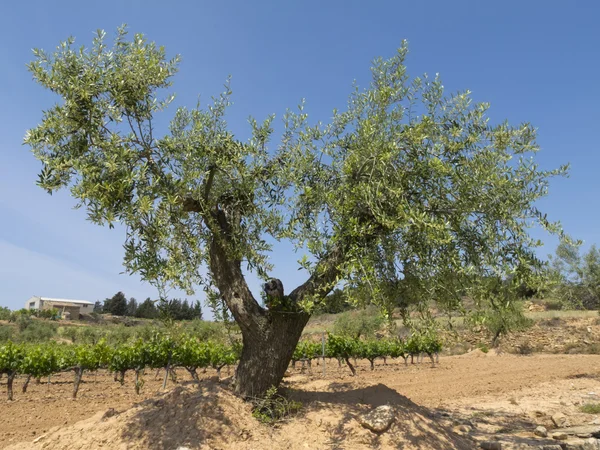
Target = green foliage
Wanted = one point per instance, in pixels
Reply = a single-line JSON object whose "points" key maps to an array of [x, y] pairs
{"points": [[11, 357], [38, 331], [4, 313], [590, 408], [576, 277], [208, 331], [501, 320], [410, 186], [147, 310], [336, 302], [307, 350], [6, 333], [40, 360], [273, 407], [358, 323], [116, 305]]}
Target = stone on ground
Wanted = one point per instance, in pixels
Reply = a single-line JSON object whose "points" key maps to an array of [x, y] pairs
{"points": [[379, 419]]}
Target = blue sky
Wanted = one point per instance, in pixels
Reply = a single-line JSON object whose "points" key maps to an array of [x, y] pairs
{"points": [[535, 61]]}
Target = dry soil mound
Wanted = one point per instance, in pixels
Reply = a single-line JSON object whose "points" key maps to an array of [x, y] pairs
{"points": [[209, 416]]}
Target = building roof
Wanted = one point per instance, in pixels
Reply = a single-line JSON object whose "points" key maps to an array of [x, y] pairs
{"points": [[64, 300]]}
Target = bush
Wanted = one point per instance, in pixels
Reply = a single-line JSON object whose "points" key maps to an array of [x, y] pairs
{"points": [[38, 331], [6, 333], [5, 313], [501, 321], [207, 331], [273, 407], [358, 323], [590, 408]]}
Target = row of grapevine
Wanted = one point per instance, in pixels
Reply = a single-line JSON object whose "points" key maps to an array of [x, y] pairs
{"points": [[162, 351], [44, 360], [345, 348]]}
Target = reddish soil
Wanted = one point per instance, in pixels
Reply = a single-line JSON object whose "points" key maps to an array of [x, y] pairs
{"points": [[519, 391]]}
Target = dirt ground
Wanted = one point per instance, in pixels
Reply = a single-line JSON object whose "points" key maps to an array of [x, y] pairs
{"points": [[462, 399]]}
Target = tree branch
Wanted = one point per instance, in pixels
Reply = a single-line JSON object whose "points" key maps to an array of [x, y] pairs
{"points": [[323, 280]]}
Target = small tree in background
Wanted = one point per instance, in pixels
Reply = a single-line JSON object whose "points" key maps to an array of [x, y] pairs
{"points": [[576, 276], [98, 307], [147, 310], [117, 305], [132, 307]]}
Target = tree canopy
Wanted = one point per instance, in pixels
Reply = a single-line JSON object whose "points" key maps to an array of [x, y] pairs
{"points": [[407, 185]]}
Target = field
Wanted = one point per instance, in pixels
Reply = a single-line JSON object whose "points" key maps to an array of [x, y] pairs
{"points": [[488, 395], [461, 401]]}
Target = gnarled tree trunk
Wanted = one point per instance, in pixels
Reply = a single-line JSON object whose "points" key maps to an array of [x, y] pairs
{"points": [[269, 334], [267, 353]]}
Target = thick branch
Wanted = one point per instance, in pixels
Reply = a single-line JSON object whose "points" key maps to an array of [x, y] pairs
{"points": [[229, 278], [323, 280], [230, 281]]}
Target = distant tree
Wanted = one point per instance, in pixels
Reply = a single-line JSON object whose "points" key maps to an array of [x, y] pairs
{"points": [[117, 305], [147, 310], [98, 307], [5, 313], [132, 307], [576, 276], [197, 311]]}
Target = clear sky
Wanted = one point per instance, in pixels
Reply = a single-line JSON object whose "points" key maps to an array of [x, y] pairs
{"points": [[535, 61]]}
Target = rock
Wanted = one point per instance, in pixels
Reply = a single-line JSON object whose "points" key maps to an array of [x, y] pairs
{"points": [[491, 445], [551, 447], [541, 431], [287, 374], [109, 413], [560, 436], [560, 420], [379, 419], [591, 444], [583, 431], [462, 429], [36, 440]]}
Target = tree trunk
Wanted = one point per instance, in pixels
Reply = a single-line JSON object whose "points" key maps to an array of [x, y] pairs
{"points": [[352, 369], [270, 334], [26, 383], [9, 385], [193, 372], [78, 375], [372, 361], [138, 384], [267, 353]]}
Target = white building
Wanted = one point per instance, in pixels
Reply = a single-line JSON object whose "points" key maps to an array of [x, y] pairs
{"points": [[73, 307]]}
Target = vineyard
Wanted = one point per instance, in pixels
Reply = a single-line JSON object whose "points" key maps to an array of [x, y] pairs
{"points": [[37, 361]]}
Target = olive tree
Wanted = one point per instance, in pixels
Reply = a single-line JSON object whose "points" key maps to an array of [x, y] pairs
{"points": [[407, 182]]}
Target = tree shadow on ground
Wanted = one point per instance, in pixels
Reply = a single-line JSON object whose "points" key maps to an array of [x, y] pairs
{"points": [[414, 424]]}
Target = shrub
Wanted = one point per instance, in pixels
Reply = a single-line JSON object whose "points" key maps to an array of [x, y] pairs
{"points": [[38, 331], [273, 407], [207, 331], [590, 408], [6, 333], [4, 313], [358, 323]]}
